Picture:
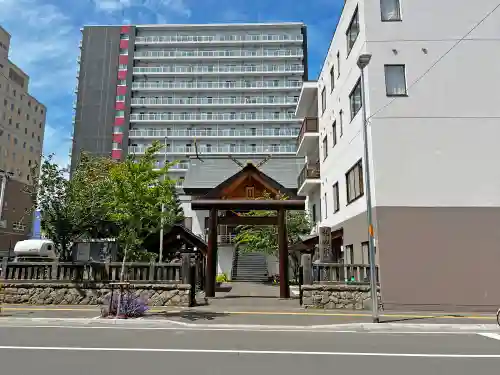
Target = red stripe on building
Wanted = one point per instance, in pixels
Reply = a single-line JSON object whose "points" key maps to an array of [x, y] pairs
{"points": [[120, 106], [121, 90], [118, 138], [119, 121], [123, 59], [122, 74], [124, 43], [124, 29], [116, 154]]}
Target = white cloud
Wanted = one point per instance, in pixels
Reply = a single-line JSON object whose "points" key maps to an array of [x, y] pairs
{"points": [[45, 45], [160, 8]]}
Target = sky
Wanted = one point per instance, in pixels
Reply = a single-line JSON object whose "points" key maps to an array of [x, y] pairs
{"points": [[46, 34]]}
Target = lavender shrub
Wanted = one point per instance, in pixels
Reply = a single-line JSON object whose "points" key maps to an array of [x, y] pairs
{"points": [[132, 306]]}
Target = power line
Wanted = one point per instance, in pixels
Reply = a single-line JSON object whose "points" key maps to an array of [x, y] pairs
{"points": [[440, 58]]}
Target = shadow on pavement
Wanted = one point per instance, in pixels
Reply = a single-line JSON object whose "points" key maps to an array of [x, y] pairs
{"points": [[433, 317], [190, 315]]}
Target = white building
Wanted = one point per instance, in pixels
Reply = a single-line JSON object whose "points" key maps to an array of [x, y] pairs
{"points": [[216, 89], [434, 116]]}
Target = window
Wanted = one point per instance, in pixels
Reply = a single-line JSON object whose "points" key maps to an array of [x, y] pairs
{"points": [[390, 10], [120, 98], [349, 249], [123, 51], [354, 182], [355, 99], [325, 147], [325, 200], [313, 214], [365, 253], [395, 80], [124, 36], [336, 205], [334, 134], [338, 64], [341, 123], [323, 100], [332, 78], [352, 31]]}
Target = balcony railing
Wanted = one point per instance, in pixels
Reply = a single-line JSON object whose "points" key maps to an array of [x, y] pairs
{"points": [[309, 125], [181, 166], [164, 85], [218, 38], [243, 53], [212, 117], [225, 150], [198, 133], [294, 68], [309, 172], [250, 100]]}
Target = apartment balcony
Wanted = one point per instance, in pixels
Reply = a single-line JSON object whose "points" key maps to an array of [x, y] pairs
{"points": [[309, 179], [179, 167], [224, 39], [308, 140], [219, 150], [188, 134], [214, 86], [219, 54], [210, 102], [212, 118], [180, 70]]}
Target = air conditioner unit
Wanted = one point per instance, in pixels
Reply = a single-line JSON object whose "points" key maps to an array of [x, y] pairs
{"points": [[3, 224]]}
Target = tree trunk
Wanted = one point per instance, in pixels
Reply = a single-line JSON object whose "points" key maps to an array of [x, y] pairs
{"points": [[122, 273]]}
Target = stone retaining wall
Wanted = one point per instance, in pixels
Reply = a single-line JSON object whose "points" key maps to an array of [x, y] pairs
{"points": [[335, 296], [90, 293]]}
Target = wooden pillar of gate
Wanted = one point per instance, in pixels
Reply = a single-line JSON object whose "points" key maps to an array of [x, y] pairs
{"points": [[283, 254], [211, 271]]}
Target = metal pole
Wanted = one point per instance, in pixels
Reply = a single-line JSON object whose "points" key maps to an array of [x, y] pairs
{"points": [[160, 260], [2, 193], [369, 216]]}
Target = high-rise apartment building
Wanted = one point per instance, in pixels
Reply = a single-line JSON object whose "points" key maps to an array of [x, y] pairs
{"points": [[226, 89], [22, 125], [433, 118]]}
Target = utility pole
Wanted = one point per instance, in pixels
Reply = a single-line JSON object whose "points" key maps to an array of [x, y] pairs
{"points": [[362, 63]]}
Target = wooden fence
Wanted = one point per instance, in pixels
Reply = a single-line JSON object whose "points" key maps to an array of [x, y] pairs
{"points": [[91, 272]]}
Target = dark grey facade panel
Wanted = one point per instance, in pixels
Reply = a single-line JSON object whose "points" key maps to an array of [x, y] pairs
{"points": [[96, 95]]}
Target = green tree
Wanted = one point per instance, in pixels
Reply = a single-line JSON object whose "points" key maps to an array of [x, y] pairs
{"points": [[70, 209], [264, 238], [136, 194]]}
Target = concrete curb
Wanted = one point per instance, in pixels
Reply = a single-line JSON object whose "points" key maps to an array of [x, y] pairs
{"points": [[348, 327]]}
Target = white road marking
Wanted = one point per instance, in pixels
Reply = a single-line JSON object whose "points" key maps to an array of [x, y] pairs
{"points": [[96, 317], [249, 352], [494, 336]]}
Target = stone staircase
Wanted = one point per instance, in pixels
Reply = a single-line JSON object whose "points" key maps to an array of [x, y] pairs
{"points": [[250, 267]]}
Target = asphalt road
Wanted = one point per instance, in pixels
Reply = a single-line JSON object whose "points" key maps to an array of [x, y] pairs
{"points": [[61, 351]]}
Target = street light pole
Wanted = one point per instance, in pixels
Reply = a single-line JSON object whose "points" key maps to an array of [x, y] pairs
{"points": [[160, 260], [363, 62]]}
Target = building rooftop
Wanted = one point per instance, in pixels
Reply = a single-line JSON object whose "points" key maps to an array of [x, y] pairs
{"points": [[174, 26], [212, 171]]}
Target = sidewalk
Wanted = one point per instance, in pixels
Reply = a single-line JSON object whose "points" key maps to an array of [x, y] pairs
{"points": [[254, 314]]}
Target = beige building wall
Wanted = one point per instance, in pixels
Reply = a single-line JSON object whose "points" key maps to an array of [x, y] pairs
{"points": [[22, 125]]}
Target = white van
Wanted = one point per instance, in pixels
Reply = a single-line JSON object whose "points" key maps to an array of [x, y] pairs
{"points": [[35, 251]]}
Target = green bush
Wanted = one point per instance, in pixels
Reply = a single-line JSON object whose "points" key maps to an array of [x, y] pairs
{"points": [[222, 278]]}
